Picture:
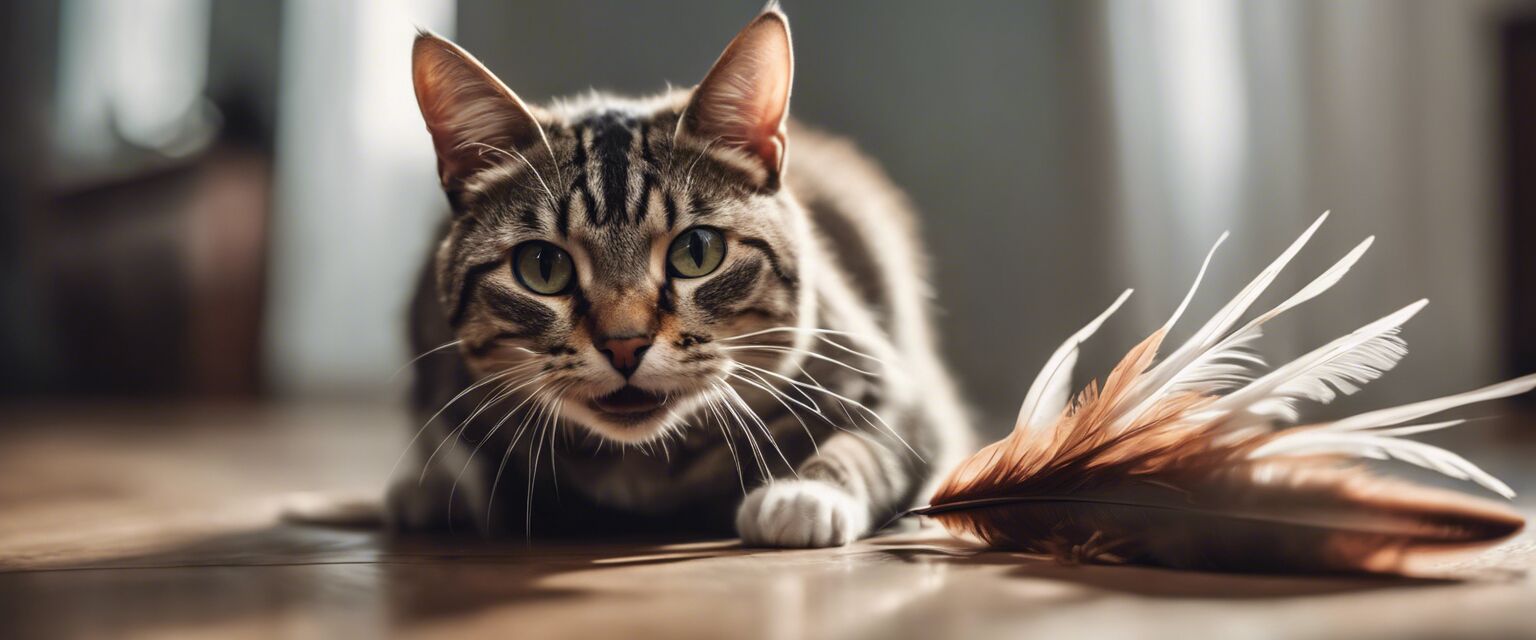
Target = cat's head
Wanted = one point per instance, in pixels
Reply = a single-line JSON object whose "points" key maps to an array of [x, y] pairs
{"points": [[607, 256]]}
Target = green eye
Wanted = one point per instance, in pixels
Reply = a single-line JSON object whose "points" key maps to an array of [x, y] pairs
{"points": [[543, 268], [695, 253]]}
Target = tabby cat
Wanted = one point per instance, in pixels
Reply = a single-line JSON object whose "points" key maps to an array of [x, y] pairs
{"points": [[649, 315]]}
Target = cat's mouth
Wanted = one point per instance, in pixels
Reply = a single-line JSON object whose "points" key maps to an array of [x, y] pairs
{"points": [[629, 403]]}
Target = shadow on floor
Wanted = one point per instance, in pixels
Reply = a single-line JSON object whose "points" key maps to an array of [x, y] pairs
{"points": [[362, 580]]}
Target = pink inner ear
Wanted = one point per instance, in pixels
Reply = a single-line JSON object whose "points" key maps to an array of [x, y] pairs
{"points": [[744, 100], [474, 119]]}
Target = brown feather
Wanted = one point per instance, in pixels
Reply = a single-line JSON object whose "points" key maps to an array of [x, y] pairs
{"points": [[1167, 492]]}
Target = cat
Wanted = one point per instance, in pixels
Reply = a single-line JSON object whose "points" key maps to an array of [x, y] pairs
{"points": [[681, 313]]}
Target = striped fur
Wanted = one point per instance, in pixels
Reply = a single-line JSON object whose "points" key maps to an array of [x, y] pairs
{"points": [[822, 258]]}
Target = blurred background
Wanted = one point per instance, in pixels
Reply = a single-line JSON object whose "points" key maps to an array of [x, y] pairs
{"points": [[225, 199]]}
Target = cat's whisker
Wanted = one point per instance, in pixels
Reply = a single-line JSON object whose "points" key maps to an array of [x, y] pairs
{"points": [[805, 398], [840, 398], [489, 434], [505, 456], [546, 417], [493, 399], [495, 396], [808, 330], [820, 335], [815, 409], [423, 354], [768, 386], [849, 415], [838, 345], [710, 399], [757, 451], [529, 422], [501, 394], [557, 426], [731, 419], [808, 354], [762, 426], [554, 430], [411, 444], [780, 398]]}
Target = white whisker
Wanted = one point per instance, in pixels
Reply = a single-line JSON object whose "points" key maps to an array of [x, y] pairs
{"points": [[497, 397], [710, 403], [809, 354], [505, 456], [840, 398], [494, 429], [762, 426], [757, 452], [423, 354], [781, 398], [500, 375], [809, 330], [546, 419]]}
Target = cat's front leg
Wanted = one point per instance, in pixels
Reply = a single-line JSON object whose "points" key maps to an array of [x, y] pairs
{"points": [[852, 485]]}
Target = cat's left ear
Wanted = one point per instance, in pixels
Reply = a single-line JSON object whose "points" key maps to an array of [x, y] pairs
{"points": [[743, 103]]}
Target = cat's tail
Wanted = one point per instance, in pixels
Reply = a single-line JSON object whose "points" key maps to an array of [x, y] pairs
{"points": [[333, 509]]}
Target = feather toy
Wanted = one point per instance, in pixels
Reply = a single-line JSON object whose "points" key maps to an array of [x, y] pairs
{"points": [[1182, 462]]}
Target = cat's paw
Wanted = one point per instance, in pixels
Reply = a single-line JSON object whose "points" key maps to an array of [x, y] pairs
{"points": [[801, 513]]}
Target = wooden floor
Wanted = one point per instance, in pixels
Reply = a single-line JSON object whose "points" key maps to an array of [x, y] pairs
{"points": [[162, 522]]}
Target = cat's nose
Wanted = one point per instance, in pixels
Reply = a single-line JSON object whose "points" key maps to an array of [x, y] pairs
{"points": [[625, 353]]}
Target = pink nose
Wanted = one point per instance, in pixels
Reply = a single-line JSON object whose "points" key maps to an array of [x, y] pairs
{"points": [[625, 353]]}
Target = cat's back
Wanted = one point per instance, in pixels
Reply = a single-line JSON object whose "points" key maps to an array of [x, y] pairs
{"points": [[868, 225]]}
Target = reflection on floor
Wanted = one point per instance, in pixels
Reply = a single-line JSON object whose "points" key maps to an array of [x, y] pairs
{"points": [[153, 522]]}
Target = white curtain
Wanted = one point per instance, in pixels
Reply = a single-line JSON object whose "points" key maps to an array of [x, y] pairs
{"points": [[1257, 116], [357, 193]]}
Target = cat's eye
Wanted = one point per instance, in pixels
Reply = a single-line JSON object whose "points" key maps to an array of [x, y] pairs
{"points": [[696, 252], [543, 268]]}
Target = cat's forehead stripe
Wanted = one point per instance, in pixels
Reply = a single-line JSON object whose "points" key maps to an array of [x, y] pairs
{"points": [[605, 144], [612, 136]]}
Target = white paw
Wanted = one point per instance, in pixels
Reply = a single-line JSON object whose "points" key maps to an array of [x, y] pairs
{"points": [[801, 513]]}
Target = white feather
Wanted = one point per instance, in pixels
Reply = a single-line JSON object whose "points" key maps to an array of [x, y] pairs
{"points": [[1302, 441], [1404, 413], [1226, 365], [1052, 388], [1217, 359], [1195, 286], [1382, 445], [1056, 395], [1163, 377], [1340, 366], [1323, 282]]}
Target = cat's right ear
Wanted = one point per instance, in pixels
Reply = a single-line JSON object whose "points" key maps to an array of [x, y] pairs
{"points": [[475, 120]]}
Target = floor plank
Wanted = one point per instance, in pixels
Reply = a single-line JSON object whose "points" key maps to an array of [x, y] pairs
{"points": [[163, 522]]}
